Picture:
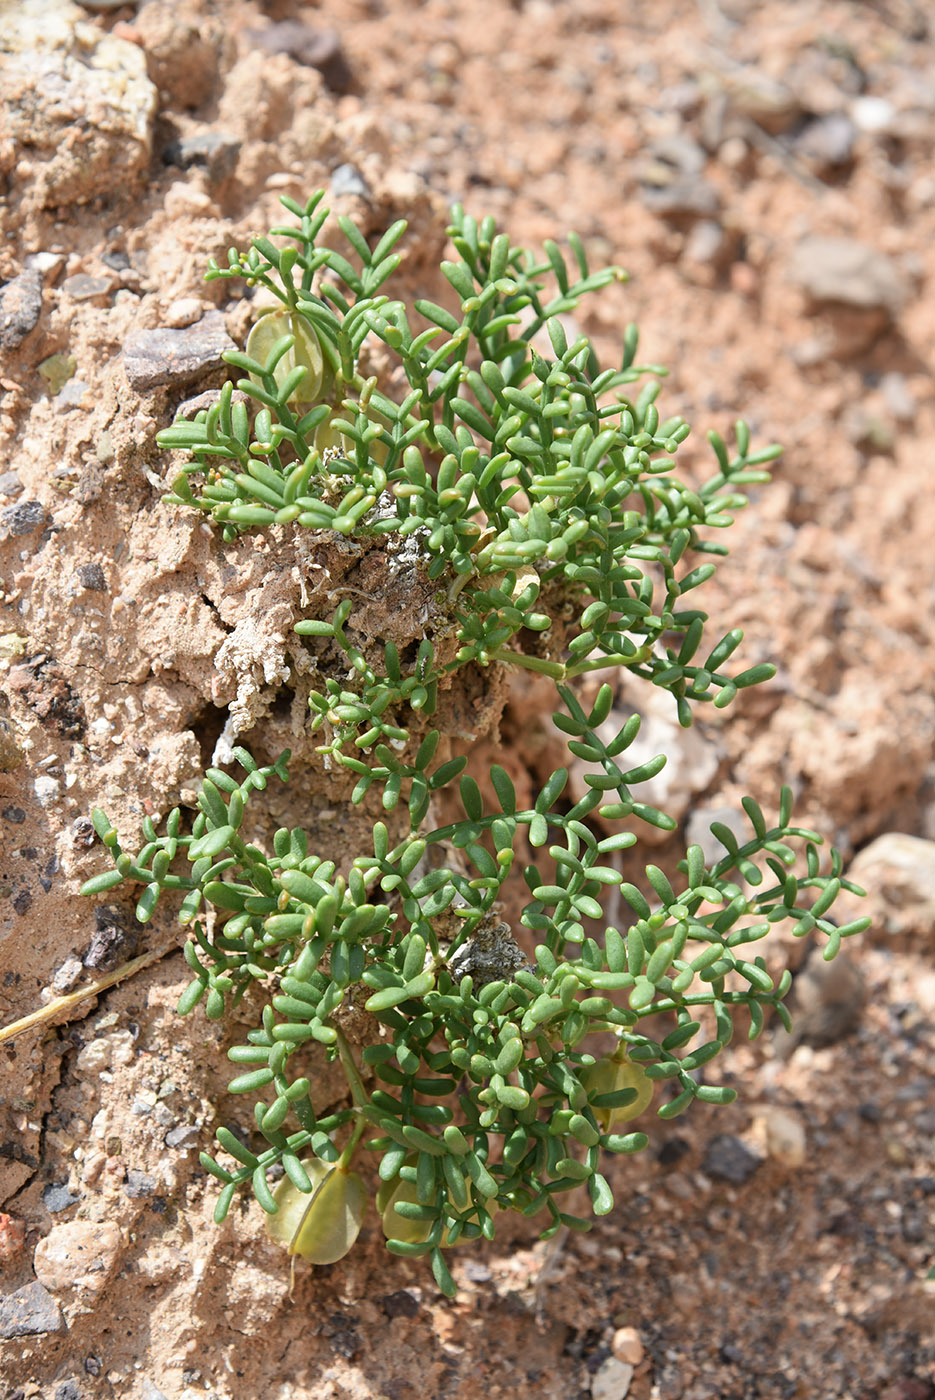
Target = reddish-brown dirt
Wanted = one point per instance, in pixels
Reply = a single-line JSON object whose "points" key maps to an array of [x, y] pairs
{"points": [[709, 148]]}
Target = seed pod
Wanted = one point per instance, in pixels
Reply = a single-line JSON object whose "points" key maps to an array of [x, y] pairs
{"points": [[608, 1076], [305, 352], [323, 1226], [399, 1227]]}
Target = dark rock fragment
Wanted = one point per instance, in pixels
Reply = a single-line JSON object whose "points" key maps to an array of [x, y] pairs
{"points": [[92, 576], [113, 943], [29, 1312], [728, 1159], [23, 518], [20, 306]]}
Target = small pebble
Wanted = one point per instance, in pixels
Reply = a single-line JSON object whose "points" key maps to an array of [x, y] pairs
{"points": [[184, 311], [139, 1185], [848, 272], [12, 1235], [627, 1346], [612, 1380], [10, 484], [315, 48], [92, 576], [872, 114], [81, 287], [80, 1254], [728, 1159], [783, 1135], [20, 307], [66, 974], [347, 179], [56, 1198], [898, 397], [402, 1303], [22, 518], [182, 1137]]}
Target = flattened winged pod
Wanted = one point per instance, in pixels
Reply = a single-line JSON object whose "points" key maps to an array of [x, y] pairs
{"points": [[609, 1076], [305, 351], [323, 1226]]}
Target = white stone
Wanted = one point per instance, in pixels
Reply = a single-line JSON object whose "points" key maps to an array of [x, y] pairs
{"points": [[612, 1380]]}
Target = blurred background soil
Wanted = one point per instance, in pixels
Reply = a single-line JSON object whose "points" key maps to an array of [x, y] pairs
{"points": [[764, 172]]}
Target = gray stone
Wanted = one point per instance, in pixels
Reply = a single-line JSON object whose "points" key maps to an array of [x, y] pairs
{"points": [[828, 140], [611, 1380], [347, 179], [138, 1185], [182, 1137], [68, 1390], [29, 1312], [56, 1198], [206, 401], [848, 272], [81, 287], [71, 395], [728, 1159], [164, 358], [66, 974], [10, 484], [23, 518], [92, 576], [213, 151], [20, 305]]}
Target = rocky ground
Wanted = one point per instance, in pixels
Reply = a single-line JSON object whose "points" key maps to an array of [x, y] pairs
{"points": [[763, 171]]}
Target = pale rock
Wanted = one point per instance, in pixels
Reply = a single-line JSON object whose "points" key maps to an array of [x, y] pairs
{"points": [[781, 1135], [848, 272], [80, 1254], [627, 1346], [184, 311], [105, 1052], [898, 872], [611, 1381]]}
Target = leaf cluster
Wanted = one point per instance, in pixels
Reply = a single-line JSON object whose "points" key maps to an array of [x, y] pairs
{"points": [[531, 486]]}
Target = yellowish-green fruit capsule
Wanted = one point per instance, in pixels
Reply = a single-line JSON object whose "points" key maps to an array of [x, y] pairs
{"points": [[400, 1227], [608, 1076], [323, 1226], [306, 351]]}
